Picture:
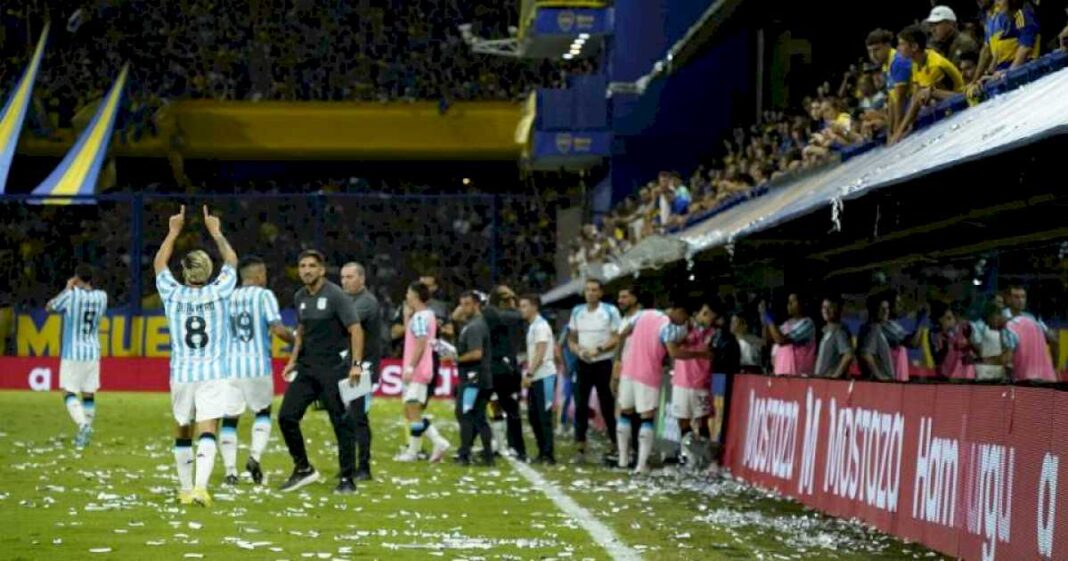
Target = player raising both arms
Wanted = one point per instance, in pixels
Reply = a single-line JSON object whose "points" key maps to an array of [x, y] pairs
{"points": [[198, 318], [79, 367], [254, 317]]}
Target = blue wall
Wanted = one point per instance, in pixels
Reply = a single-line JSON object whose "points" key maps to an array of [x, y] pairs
{"points": [[645, 30], [683, 117]]}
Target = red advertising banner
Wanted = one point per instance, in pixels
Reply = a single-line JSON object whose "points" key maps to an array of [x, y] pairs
{"points": [[970, 471], [153, 374]]}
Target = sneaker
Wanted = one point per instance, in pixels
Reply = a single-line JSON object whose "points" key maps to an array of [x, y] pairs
{"points": [[81, 440], [185, 498], [545, 460], [201, 497], [363, 475], [579, 458], [462, 461], [440, 448], [230, 480], [406, 456], [253, 468], [300, 478], [345, 487], [641, 471], [486, 461]]}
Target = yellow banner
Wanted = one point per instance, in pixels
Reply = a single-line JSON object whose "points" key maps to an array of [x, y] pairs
{"points": [[120, 336], [322, 130]]}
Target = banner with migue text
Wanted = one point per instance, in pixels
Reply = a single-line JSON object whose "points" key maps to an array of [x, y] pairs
{"points": [[970, 471]]}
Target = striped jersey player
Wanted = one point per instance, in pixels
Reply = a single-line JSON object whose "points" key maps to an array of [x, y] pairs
{"points": [[654, 333], [420, 332], [254, 317], [198, 317], [82, 306]]}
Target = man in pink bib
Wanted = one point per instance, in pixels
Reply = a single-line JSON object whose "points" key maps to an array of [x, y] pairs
{"points": [[794, 350], [1031, 357], [639, 384], [420, 331], [691, 384]]}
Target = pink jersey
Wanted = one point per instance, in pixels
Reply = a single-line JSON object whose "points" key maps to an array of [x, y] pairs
{"points": [[422, 324], [645, 355], [694, 373], [957, 360], [900, 356], [1030, 359], [800, 357]]}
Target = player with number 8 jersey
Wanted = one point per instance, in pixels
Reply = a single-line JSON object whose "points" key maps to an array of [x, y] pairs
{"points": [[198, 317]]}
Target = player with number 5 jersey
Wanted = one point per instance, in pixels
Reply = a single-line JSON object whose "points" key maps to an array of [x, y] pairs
{"points": [[198, 316], [79, 369]]}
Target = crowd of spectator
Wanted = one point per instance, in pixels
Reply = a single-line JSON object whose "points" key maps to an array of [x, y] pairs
{"points": [[462, 240], [879, 97], [369, 50]]}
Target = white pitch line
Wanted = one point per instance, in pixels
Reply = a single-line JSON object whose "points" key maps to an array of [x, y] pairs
{"points": [[603, 535]]}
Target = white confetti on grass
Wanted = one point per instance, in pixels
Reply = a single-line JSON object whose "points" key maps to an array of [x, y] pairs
{"points": [[601, 533]]}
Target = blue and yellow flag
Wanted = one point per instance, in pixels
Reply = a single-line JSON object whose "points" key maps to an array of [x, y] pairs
{"points": [[78, 172], [14, 112]]}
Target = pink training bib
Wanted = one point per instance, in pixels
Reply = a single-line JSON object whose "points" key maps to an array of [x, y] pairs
{"points": [[794, 360], [694, 373], [900, 357], [645, 356], [1030, 360], [422, 321]]}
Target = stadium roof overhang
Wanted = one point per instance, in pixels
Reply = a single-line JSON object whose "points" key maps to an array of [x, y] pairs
{"points": [[1032, 113]]}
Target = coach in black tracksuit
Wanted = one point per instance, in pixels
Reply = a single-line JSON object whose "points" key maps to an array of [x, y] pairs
{"points": [[329, 348], [506, 329], [474, 356]]}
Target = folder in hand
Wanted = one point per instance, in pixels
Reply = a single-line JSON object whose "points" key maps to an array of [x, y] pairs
{"points": [[352, 391]]}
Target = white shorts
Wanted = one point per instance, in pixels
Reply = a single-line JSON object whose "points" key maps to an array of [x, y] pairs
{"points": [[415, 392], [688, 403], [199, 401], [637, 396], [254, 393], [79, 375]]}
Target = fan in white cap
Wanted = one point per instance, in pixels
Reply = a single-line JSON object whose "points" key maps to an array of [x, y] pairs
{"points": [[940, 14]]}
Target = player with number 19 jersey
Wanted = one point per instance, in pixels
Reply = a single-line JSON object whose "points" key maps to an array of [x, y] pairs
{"points": [[199, 323], [253, 310]]}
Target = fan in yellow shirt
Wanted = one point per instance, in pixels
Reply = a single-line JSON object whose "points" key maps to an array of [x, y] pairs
{"points": [[933, 78]]}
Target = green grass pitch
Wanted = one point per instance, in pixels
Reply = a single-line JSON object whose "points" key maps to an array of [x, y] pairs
{"points": [[115, 500]]}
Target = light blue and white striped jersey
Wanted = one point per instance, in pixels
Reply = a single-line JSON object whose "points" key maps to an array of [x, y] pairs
{"points": [[82, 310], [252, 312], [199, 322], [419, 324]]}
